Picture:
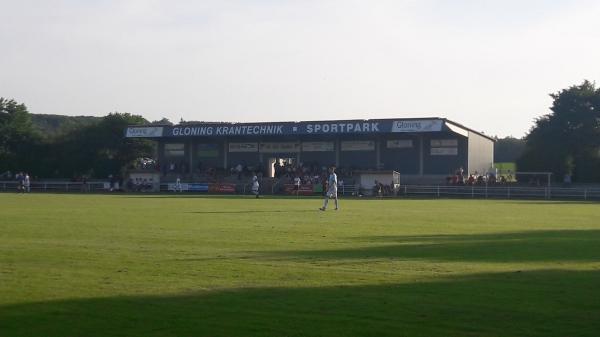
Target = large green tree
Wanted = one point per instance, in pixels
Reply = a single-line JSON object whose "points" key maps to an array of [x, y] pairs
{"points": [[97, 150], [94, 149], [508, 149], [567, 141], [18, 139]]}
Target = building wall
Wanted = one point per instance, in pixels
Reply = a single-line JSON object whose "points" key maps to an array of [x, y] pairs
{"points": [[437, 163], [168, 154], [401, 159], [358, 159], [323, 158], [443, 152], [207, 153], [481, 153]]}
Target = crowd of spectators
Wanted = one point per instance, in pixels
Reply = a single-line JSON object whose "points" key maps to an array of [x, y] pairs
{"points": [[140, 185], [23, 182], [22, 178], [242, 171], [474, 179], [382, 190], [167, 167], [308, 173], [180, 167]]}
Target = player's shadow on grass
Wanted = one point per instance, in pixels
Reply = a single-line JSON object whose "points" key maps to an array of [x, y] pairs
{"points": [[531, 246], [528, 303]]}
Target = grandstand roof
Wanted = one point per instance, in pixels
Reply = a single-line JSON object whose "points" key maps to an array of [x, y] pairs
{"points": [[353, 126]]}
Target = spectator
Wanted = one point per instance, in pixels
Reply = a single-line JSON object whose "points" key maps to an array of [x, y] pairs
{"points": [[20, 179], [84, 184], [297, 185], [26, 183]]}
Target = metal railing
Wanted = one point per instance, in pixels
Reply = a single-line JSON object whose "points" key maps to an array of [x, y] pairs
{"points": [[501, 192], [56, 186], [430, 191]]}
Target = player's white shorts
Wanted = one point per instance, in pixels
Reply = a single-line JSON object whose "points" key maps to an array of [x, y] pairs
{"points": [[332, 193]]}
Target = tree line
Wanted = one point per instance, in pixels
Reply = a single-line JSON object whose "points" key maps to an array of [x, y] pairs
{"points": [[565, 141], [94, 148]]}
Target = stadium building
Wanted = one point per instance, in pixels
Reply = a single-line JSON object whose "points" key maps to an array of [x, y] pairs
{"points": [[421, 149]]}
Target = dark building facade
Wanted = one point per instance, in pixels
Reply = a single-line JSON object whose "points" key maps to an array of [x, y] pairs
{"points": [[414, 147]]}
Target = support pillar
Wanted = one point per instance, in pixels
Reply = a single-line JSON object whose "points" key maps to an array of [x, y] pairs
{"points": [[191, 149], [421, 154], [378, 153], [225, 153], [337, 144]]}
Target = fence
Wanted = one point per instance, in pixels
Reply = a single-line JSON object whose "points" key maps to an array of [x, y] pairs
{"points": [[433, 191], [501, 192], [57, 186]]}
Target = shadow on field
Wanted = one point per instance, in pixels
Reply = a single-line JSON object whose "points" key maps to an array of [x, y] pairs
{"points": [[552, 202], [187, 196], [541, 303], [531, 246], [215, 196], [256, 211]]}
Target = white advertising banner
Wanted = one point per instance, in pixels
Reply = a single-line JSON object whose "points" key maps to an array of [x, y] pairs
{"points": [[317, 146], [399, 144], [417, 125], [279, 147], [144, 132], [444, 142], [243, 147], [444, 151], [358, 145]]}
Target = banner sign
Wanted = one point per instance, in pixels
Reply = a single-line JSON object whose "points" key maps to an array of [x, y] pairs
{"points": [[444, 151], [317, 147], [203, 187], [358, 145], [373, 126], [222, 188], [303, 189], [196, 187], [399, 144], [425, 125], [279, 147], [243, 147], [444, 142], [144, 132]]}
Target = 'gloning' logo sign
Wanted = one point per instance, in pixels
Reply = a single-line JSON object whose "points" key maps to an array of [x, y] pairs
{"points": [[143, 132], [417, 126]]}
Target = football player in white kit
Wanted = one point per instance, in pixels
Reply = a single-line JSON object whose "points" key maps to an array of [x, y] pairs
{"points": [[178, 186], [332, 185], [255, 186]]}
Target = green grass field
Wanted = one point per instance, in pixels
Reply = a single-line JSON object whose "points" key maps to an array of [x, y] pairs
{"points": [[135, 265]]}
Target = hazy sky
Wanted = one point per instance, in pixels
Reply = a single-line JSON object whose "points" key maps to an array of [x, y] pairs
{"points": [[487, 64]]}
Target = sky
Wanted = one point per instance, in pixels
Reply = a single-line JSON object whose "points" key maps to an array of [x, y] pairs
{"points": [[489, 65]]}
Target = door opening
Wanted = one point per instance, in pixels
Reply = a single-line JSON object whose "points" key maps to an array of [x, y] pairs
{"points": [[280, 166]]}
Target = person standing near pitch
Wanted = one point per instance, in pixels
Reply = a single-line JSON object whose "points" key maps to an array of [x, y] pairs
{"points": [[332, 183], [255, 186]]}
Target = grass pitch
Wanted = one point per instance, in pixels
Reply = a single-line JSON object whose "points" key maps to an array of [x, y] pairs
{"points": [[135, 265]]}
